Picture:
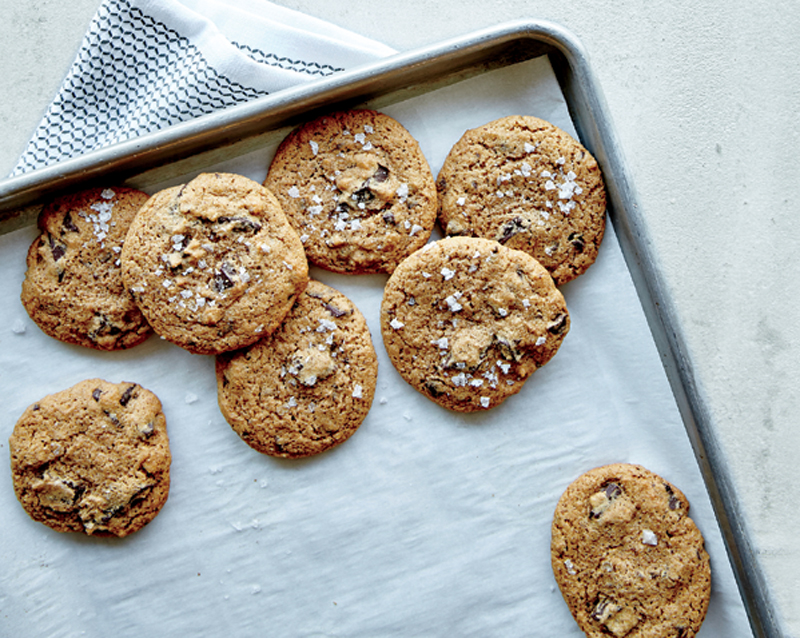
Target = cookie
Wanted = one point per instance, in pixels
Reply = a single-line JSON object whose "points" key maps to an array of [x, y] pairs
{"points": [[73, 286], [93, 458], [467, 320], [213, 264], [357, 189], [529, 185], [628, 559], [308, 386]]}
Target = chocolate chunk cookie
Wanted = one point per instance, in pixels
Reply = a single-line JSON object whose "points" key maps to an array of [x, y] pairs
{"points": [[627, 557], [357, 189], [529, 185], [73, 287], [94, 458], [309, 385], [213, 264], [467, 320]]}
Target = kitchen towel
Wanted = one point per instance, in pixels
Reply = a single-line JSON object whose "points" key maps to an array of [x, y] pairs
{"points": [[146, 64]]}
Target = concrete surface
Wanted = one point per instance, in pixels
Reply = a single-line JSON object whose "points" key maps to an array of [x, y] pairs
{"points": [[704, 99]]}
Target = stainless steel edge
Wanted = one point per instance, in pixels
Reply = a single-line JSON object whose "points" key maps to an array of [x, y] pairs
{"points": [[593, 122], [403, 72], [235, 123]]}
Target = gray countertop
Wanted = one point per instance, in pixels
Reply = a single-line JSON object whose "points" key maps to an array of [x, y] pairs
{"points": [[703, 100]]}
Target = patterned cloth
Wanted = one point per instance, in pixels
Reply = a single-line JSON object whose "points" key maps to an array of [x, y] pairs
{"points": [[146, 64]]}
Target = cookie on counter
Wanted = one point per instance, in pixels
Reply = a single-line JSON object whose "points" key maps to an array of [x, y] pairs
{"points": [[93, 458], [73, 286], [466, 321], [213, 264], [529, 185], [357, 189], [308, 386], [628, 559]]}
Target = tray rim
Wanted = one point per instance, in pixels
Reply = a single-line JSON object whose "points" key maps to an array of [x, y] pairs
{"points": [[595, 127]]}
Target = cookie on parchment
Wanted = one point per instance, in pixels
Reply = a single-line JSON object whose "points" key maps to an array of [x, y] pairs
{"points": [[628, 559], [358, 190], [73, 286], [308, 386], [529, 185], [466, 321], [213, 264], [93, 458]]}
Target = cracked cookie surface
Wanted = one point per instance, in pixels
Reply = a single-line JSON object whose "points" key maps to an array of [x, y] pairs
{"points": [[358, 190], [466, 321], [308, 386], [628, 559], [213, 264], [93, 458], [73, 287], [529, 185]]}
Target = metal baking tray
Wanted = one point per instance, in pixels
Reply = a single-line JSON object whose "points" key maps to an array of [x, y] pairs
{"points": [[180, 148]]}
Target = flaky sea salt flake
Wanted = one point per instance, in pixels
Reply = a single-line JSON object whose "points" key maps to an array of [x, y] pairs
{"points": [[452, 302], [649, 538]]}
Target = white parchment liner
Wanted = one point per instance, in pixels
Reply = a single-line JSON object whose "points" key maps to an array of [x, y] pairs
{"points": [[424, 523]]}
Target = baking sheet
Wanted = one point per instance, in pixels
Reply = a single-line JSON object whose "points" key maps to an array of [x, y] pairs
{"points": [[425, 522]]}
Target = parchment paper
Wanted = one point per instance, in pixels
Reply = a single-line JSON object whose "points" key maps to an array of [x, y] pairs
{"points": [[424, 523]]}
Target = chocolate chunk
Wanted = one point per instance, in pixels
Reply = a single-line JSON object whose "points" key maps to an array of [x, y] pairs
{"points": [[363, 195], [57, 248], [102, 327], [334, 310], [223, 278], [241, 224], [146, 429], [558, 325], [576, 239], [511, 228], [126, 396], [598, 613], [96, 394], [435, 388], [610, 491], [68, 224], [381, 174], [508, 350], [388, 218], [674, 501], [80, 490]]}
